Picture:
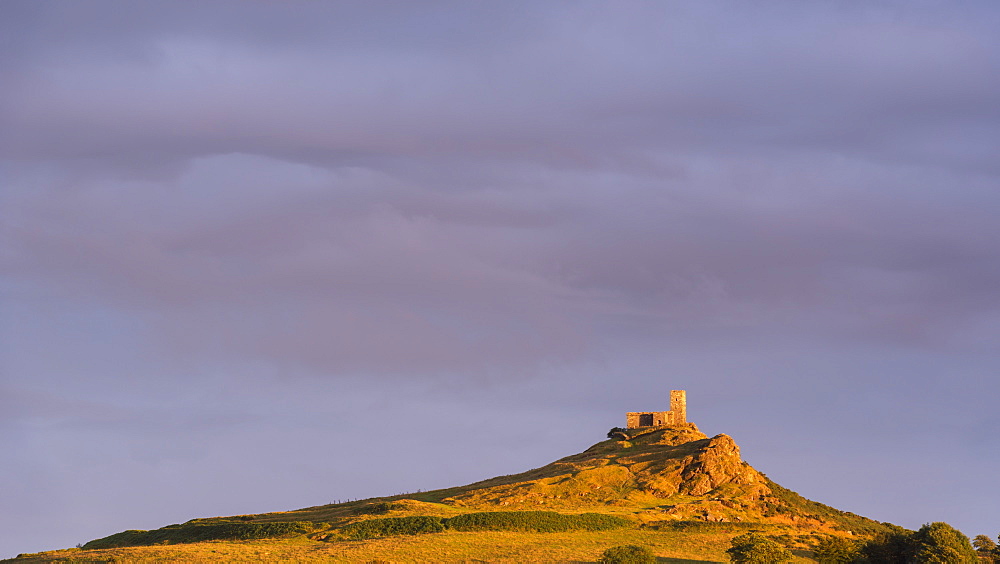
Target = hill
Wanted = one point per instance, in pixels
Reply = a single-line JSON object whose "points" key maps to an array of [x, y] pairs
{"points": [[673, 489]]}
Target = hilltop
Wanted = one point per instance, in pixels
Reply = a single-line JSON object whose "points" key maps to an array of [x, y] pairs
{"points": [[671, 488]]}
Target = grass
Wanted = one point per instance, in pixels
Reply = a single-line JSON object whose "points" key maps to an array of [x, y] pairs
{"points": [[445, 547]]}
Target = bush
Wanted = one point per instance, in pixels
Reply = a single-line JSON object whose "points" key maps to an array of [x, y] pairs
{"points": [[372, 528], [618, 433], [934, 543], [627, 554], [537, 521], [200, 532], [889, 547], [941, 543], [377, 508], [754, 548], [836, 550]]}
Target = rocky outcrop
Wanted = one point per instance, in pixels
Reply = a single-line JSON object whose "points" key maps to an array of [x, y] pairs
{"points": [[715, 464], [655, 463], [669, 473], [672, 461]]}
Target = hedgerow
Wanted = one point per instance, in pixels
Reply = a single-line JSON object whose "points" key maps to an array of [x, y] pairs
{"points": [[537, 521], [372, 528], [201, 532]]}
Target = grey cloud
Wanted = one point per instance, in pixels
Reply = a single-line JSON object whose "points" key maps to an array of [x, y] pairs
{"points": [[569, 92], [351, 270]]}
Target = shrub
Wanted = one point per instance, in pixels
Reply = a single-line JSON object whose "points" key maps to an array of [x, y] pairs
{"points": [[934, 543], [538, 521], [377, 508], [618, 433], [941, 543], [754, 548], [835, 550], [627, 554], [890, 547], [372, 528]]}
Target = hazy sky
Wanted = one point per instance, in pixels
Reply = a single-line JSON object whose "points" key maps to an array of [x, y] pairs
{"points": [[259, 256]]}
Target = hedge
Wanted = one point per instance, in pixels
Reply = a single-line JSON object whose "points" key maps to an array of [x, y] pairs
{"points": [[201, 532], [415, 525], [537, 521]]}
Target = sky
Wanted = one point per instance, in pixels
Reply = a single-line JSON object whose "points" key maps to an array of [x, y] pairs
{"points": [[258, 256]]}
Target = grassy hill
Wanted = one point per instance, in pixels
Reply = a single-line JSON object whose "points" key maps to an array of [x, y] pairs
{"points": [[672, 489]]}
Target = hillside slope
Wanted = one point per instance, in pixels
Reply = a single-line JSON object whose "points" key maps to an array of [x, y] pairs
{"points": [[671, 488]]}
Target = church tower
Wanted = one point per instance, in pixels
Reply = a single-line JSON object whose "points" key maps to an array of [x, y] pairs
{"points": [[678, 405]]}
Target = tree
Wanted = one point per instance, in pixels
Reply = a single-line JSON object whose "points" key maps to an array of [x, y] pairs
{"points": [[754, 548], [628, 554], [890, 547], [986, 548], [940, 543], [835, 550]]}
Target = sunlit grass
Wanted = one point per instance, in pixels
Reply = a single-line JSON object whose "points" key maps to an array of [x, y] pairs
{"points": [[450, 546]]}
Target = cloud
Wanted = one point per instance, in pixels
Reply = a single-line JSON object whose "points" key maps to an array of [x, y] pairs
{"points": [[568, 91], [352, 269]]}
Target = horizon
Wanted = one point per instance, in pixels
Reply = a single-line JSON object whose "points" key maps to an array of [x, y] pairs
{"points": [[257, 257]]}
